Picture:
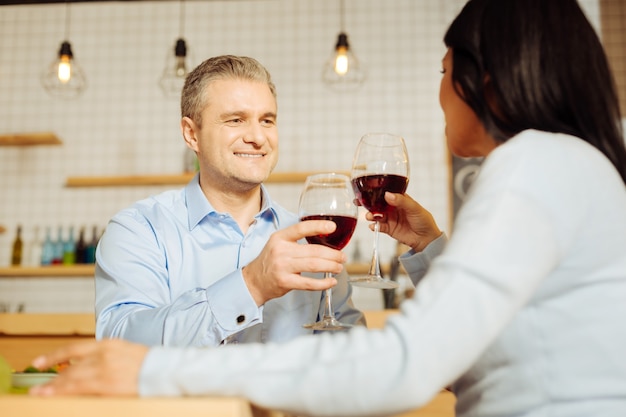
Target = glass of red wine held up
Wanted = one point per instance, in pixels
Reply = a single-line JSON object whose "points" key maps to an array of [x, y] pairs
{"points": [[380, 164], [329, 197]]}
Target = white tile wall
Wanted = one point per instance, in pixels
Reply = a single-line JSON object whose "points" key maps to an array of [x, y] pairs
{"points": [[124, 125]]}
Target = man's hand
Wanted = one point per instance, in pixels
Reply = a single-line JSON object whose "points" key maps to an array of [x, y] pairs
{"points": [[109, 367], [276, 270]]}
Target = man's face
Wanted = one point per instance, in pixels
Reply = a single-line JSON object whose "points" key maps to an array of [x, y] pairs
{"points": [[237, 145]]}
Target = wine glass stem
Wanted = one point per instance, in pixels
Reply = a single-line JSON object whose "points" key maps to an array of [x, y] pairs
{"points": [[328, 312], [375, 265]]}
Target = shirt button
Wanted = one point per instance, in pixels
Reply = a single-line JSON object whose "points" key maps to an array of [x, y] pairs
{"points": [[241, 318]]}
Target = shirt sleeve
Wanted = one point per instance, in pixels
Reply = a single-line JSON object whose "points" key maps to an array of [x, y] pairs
{"points": [[416, 264], [133, 293]]}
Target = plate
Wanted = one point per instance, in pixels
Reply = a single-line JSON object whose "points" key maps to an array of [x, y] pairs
{"points": [[29, 379]]}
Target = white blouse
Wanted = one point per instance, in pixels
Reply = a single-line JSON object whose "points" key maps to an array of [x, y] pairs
{"points": [[522, 312]]}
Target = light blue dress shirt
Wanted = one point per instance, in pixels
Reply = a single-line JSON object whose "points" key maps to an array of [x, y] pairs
{"points": [[168, 272]]}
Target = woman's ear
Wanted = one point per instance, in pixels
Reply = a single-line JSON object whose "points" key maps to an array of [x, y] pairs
{"points": [[490, 95], [189, 129]]}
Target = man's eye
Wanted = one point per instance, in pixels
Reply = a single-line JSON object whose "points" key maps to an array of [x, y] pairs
{"points": [[443, 70]]}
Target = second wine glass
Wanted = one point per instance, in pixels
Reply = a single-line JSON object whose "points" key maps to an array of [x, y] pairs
{"points": [[329, 197], [380, 164]]}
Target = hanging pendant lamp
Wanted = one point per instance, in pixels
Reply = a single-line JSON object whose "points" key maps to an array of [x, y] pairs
{"points": [[176, 64], [343, 71], [64, 78]]}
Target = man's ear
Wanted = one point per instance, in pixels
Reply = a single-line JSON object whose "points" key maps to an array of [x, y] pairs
{"points": [[189, 129]]}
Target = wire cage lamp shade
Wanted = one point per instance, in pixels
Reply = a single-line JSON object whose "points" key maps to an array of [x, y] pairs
{"points": [[64, 77], [343, 71], [176, 64]]}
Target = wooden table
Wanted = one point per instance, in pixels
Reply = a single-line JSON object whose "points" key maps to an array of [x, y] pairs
{"points": [[24, 336], [441, 406], [25, 406]]}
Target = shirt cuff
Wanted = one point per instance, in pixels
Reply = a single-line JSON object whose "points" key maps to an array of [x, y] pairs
{"points": [[232, 305], [416, 264]]}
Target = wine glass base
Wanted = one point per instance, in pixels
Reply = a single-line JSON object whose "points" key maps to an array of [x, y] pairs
{"points": [[328, 323], [373, 281]]}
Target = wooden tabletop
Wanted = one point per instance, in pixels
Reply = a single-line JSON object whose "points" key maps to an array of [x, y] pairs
{"points": [[25, 406]]}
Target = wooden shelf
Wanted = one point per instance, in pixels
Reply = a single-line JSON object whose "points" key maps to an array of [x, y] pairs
{"points": [[48, 271], [58, 324], [135, 180], [88, 270], [29, 139], [172, 179]]}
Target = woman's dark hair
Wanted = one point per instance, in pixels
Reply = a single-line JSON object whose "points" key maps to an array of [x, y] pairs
{"points": [[536, 64]]}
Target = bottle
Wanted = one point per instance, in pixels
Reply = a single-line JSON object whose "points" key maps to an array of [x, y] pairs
{"points": [[90, 252], [69, 249], [47, 249], [81, 247], [16, 254], [34, 248], [57, 259]]}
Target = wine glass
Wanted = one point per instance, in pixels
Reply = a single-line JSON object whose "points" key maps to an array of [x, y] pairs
{"points": [[329, 197], [380, 164]]}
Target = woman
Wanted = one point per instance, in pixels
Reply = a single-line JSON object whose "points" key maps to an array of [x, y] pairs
{"points": [[521, 312]]}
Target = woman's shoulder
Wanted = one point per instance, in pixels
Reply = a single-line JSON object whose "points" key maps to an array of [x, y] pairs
{"points": [[537, 150]]}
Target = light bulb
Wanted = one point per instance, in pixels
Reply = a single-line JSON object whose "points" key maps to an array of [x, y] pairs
{"points": [[64, 78], [181, 70], [65, 69], [341, 60]]}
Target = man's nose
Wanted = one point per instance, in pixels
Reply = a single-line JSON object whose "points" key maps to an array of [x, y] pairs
{"points": [[255, 134]]}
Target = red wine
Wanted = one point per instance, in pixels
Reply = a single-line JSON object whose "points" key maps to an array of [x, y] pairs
{"points": [[370, 190], [337, 239]]}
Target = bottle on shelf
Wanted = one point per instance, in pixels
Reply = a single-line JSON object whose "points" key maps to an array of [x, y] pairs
{"points": [[34, 248], [16, 254], [81, 247], [69, 248], [57, 258], [90, 252], [47, 249]]}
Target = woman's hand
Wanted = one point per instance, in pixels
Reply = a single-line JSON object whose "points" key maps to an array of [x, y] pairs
{"points": [[408, 222], [109, 367]]}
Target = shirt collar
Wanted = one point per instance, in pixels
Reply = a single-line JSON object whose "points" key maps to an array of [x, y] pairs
{"points": [[198, 207]]}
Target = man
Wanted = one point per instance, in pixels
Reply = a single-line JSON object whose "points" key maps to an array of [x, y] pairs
{"points": [[216, 261]]}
